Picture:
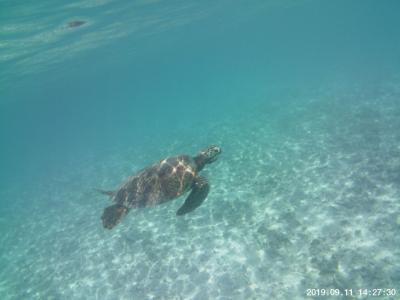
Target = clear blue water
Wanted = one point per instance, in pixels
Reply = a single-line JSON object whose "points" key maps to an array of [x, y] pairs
{"points": [[303, 97]]}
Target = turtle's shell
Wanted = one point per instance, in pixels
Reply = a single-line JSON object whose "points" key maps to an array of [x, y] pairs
{"points": [[163, 181]]}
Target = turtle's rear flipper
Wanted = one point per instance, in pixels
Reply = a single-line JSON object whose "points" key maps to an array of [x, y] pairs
{"points": [[198, 194], [112, 215], [107, 193]]}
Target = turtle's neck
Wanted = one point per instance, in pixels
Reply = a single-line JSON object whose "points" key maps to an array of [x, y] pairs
{"points": [[200, 162]]}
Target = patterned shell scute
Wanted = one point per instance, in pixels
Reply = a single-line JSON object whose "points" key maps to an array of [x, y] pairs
{"points": [[176, 175]]}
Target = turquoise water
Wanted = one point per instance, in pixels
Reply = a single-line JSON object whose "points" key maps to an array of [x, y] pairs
{"points": [[302, 96]]}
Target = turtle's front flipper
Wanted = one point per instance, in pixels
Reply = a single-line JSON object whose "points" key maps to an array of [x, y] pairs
{"points": [[200, 189]]}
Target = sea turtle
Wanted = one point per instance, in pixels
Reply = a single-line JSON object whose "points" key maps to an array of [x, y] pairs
{"points": [[163, 181]]}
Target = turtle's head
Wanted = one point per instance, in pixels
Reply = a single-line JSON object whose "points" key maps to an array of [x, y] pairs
{"points": [[207, 156]]}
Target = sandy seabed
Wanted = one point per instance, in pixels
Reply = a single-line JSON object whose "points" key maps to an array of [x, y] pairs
{"points": [[305, 195]]}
